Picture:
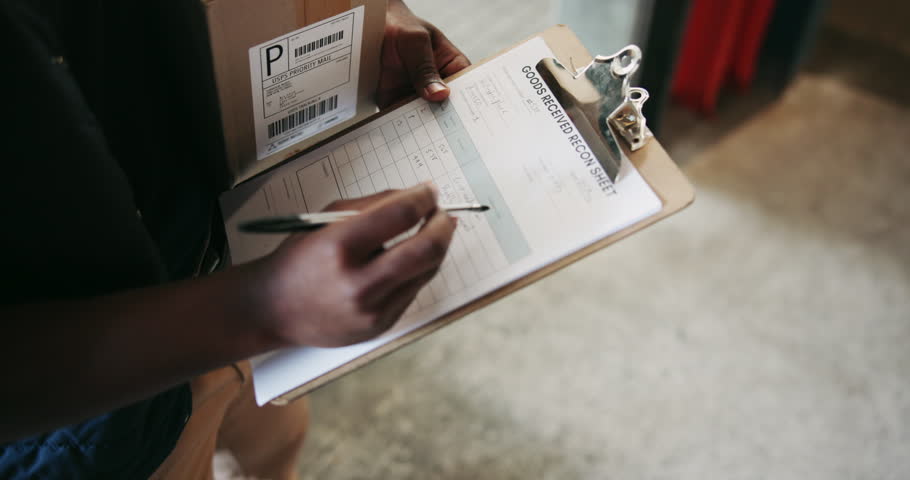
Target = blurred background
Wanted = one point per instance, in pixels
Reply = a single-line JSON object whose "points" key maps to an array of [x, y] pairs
{"points": [[762, 333]]}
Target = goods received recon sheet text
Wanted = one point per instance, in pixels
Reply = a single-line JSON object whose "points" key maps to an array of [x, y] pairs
{"points": [[501, 140]]}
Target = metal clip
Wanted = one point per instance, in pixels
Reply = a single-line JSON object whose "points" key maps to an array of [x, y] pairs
{"points": [[599, 94]]}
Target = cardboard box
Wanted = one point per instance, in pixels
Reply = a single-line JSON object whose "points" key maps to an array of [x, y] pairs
{"points": [[237, 25]]}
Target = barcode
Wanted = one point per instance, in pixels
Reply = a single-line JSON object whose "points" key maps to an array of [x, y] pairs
{"points": [[303, 116], [318, 44]]}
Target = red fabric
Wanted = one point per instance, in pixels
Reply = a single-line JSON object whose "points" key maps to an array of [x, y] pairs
{"points": [[722, 37], [755, 24]]}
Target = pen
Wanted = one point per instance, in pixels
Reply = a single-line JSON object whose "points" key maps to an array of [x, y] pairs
{"points": [[311, 221]]}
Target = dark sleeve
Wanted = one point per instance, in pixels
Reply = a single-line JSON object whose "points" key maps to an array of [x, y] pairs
{"points": [[70, 223]]}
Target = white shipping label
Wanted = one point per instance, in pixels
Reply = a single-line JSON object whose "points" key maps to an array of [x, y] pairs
{"points": [[306, 81]]}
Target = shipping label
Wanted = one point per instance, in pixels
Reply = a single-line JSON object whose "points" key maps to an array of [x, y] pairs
{"points": [[305, 82]]}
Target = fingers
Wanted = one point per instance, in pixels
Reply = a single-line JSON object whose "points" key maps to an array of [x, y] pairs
{"points": [[415, 47], [394, 305], [449, 59], [415, 58], [396, 213], [413, 258], [401, 299]]}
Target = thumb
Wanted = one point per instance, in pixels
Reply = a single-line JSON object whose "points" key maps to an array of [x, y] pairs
{"points": [[416, 52]]}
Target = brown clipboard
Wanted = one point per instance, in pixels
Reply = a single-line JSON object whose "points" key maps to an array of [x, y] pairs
{"points": [[654, 165]]}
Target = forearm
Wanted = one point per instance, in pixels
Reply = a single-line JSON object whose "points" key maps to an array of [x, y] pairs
{"points": [[68, 360]]}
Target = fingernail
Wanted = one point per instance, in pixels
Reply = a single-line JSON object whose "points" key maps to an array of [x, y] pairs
{"points": [[434, 89], [454, 220]]}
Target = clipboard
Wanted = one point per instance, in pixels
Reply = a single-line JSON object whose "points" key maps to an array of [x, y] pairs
{"points": [[646, 154]]}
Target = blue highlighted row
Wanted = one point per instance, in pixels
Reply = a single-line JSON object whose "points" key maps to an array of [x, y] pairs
{"points": [[506, 230]]}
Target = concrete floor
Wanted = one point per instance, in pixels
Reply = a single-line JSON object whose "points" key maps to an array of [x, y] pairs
{"points": [[762, 333]]}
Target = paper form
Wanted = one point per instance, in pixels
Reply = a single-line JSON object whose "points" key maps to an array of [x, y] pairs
{"points": [[497, 141]]}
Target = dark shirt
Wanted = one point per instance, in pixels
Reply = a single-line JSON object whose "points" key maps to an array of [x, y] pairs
{"points": [[112, 158]]}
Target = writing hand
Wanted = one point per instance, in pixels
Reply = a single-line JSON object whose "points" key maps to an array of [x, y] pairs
{"points": [[338, 286]]}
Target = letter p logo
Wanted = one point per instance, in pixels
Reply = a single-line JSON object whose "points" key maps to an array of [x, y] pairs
{"points": [[273, 60]]}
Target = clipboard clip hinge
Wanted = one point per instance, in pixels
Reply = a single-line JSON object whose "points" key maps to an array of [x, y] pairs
{"points": [[600, 99], [627, 118]]}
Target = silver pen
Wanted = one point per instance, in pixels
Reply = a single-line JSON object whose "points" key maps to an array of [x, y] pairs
{"points": [[311, 221]]}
